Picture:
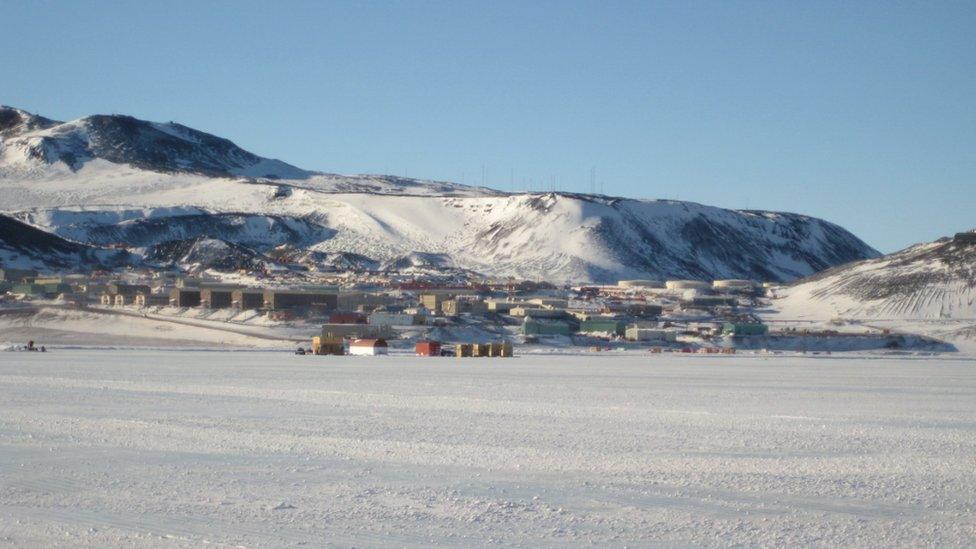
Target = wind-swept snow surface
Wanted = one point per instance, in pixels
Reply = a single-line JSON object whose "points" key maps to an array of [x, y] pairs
{"points": [[265, 449]]}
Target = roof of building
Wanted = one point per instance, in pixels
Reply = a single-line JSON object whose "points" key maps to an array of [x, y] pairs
{"points": [[220, 287], [368, 343], [327, 290]]}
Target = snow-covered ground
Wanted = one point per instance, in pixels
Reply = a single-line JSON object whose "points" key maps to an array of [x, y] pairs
{"points": [[52, 325], [183, 448]]}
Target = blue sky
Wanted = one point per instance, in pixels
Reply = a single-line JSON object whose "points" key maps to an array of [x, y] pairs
{"points": [[862, 113]]}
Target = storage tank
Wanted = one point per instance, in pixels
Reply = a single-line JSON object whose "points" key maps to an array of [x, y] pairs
{"points": [[640, 284], [733, 284], [688, 285]]}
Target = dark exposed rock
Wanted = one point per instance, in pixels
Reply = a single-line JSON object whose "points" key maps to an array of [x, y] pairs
{"points": [[25, 243]]}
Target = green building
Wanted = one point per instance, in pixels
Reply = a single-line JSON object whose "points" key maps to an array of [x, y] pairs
{"points": [[603, 325], [745, 329], [53, 289], [533, 326], [40, 290], [17, 275], [27, 288]]}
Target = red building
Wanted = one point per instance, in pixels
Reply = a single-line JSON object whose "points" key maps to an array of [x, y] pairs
{"points": [[345, 317], [428, 348]]}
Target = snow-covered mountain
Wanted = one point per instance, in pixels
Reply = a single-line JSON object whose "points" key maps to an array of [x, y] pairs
{"points": [[169, 147], [145, 154], [936, 280], [114, 179]]}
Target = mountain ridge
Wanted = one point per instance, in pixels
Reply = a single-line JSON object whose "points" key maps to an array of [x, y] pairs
{"points": [[112, 174]]}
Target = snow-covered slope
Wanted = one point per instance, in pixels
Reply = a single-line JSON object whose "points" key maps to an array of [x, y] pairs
{"points": [[23, 246], [34, 142], [936, 280], [204, 253], [137, 156], [110, 179]]}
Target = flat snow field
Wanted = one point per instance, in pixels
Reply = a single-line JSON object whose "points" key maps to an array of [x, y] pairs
{"points": [[182, 448]]}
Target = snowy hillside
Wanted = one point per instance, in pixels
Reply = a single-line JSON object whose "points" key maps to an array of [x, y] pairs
{"points": [[927, 281], [25, 247], [136, 155], [117, 180], [927, 289]]}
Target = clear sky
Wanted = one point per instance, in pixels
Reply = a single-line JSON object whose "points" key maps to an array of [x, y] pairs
{"points": [[862, 113]]}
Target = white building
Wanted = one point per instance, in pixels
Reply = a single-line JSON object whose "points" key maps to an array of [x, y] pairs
{"points": [[392, 319], [368, 347], [637, 333], [640, 284], [734, 284]]}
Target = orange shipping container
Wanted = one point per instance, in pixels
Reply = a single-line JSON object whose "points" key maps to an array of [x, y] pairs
{"points": [[428, 348]]}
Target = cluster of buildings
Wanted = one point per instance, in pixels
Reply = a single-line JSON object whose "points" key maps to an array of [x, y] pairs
{"points": [[647, 310], [111, 290], [659, 312], [29, 282], [214, 295], [323, 345]]}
